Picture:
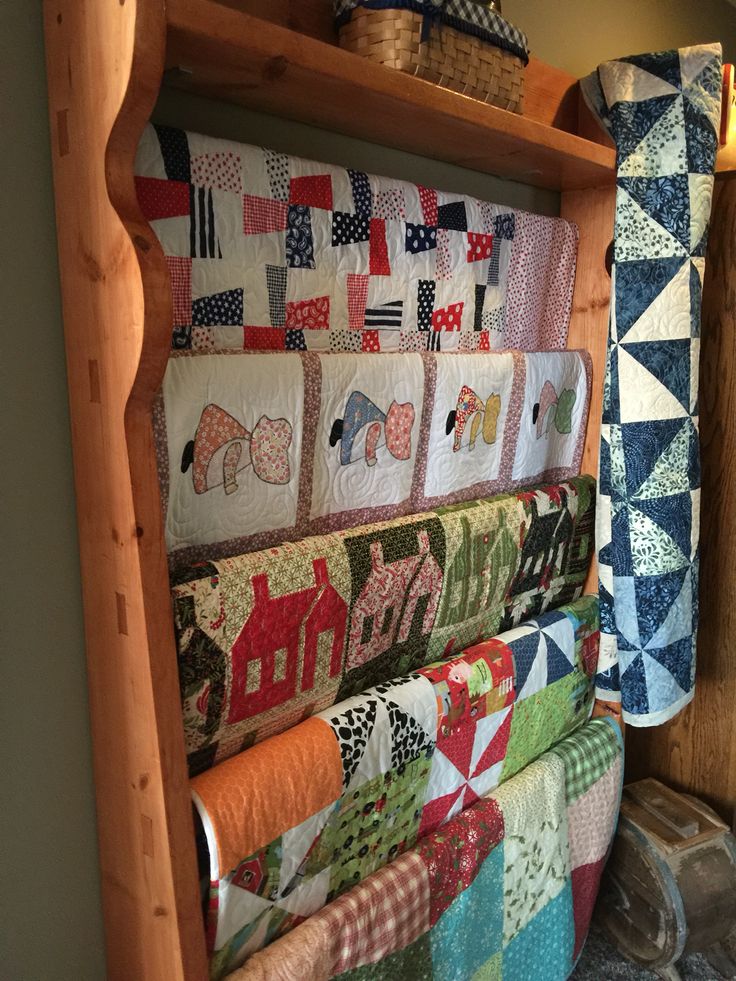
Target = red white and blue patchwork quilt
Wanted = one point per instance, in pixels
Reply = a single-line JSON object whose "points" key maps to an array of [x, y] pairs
{"points": [[271, 252]]}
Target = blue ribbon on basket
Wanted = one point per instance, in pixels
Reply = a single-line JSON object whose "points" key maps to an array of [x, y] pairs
{"points": [[432, 19]]}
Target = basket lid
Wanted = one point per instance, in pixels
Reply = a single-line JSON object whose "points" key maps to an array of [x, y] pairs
{"points": [[463, 15]]}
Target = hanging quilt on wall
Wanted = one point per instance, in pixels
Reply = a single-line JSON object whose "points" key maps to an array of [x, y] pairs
{"points": [[267, 251], [663, 113], [348, 439], [504, 890]]}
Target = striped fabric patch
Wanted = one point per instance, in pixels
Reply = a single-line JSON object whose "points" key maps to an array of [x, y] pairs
{"points": [[387, 316], [202, 232]]}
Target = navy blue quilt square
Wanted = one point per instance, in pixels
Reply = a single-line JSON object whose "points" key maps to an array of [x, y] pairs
{"points": [[420, 238], [453, 216]]}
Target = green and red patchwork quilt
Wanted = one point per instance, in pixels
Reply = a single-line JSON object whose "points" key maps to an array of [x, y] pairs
{"points": [[268, 638], [503, 892], [298, 819]]}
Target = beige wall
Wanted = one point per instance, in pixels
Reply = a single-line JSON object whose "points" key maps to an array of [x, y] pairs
{"points": [[50, 917], [578, 34]]}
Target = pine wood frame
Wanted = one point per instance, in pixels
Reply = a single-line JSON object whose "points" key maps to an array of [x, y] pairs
{"points": [[105, 64]]}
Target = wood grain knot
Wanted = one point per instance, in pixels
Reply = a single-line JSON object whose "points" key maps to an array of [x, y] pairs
{"points": [[141, 243], [275, 68], [159, 910], [93, 267]]}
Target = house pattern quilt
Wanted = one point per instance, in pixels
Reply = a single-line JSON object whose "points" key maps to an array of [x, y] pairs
{"points": [[300, 818], [663, 111], [514, 877], [271, 252], [267, 638], [256, 449]]}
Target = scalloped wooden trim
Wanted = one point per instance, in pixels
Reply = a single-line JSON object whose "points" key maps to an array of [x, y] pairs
{"points": [[104, 66]]}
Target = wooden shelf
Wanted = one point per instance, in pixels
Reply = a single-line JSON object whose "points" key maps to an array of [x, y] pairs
{"points": [[229, 55]]}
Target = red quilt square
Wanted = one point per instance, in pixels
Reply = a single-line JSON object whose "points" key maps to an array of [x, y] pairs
{"points": [[262, 215], [448, 318], [180, 271], [454, 854], [162, 199], [357, 287], [585, 882], [479, 246], [484, 341], [428, 201], [379, 265], [312, 314], [315, 191], [264, 338], [370, 341]]}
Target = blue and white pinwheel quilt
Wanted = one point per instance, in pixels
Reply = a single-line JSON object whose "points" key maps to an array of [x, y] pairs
{"points": [[663, 113]]}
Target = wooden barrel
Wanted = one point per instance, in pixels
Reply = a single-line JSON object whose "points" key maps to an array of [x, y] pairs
{"points": [[670, 883]]}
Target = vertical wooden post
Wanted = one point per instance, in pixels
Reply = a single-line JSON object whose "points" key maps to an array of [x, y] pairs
{"points": [[593, 212], [696, 751], [104, 64]]}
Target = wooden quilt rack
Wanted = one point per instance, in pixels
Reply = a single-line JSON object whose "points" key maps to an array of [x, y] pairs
{"points": [[106, 62]]}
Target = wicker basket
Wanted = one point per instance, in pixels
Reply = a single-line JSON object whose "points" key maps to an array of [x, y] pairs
{"points": [[449, 58]]}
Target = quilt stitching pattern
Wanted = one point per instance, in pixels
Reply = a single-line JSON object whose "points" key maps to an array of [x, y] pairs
{"points": [[393, 744], [510, 872]]}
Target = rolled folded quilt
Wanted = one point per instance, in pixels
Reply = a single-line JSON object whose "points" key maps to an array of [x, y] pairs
{"points": [[267, 638], [348, 439], [518, 872], [300, 818]]}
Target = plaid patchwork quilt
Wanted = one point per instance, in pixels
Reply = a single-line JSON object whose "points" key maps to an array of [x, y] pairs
{"points": [[267, 638], [257, 449], [271, 252], [514, 877], [299, 819]]}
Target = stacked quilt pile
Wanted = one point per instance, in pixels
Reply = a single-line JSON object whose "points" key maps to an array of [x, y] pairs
{"points": [[296, 820], [385, 671], [504, 890]]}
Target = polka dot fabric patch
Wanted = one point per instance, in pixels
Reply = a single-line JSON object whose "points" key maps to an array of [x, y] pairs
{"points": [[221, 170]]}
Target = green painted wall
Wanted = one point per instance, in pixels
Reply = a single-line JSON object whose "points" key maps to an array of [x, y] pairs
{"points": [[50, 920], [579, 34]]}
